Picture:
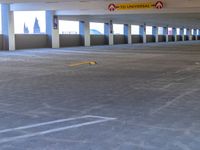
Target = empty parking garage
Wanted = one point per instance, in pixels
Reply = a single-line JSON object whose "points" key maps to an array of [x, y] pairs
{"points": [[99, 75]]}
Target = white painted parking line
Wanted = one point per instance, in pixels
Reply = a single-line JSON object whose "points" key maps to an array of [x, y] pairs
{"points": [[101, 120], [42, 124]]}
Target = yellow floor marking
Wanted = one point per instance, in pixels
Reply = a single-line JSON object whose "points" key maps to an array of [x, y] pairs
{"points": [[83, 63]]}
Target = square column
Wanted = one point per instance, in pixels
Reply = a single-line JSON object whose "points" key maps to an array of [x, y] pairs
{"points": [[198, 34], [127, 33], [189, 34], [8, 28], [143, 33], [108, 29], [182, 33], [195, 34], [85, 32], [165, 31], [174, 32], [155, 33], [52, 29]]}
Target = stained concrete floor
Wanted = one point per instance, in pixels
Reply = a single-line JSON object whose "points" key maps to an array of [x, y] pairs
{"points": [[150, 94]]}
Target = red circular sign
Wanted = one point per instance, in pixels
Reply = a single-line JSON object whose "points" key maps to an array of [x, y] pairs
{"points": [[111, 7], [159, 5]]}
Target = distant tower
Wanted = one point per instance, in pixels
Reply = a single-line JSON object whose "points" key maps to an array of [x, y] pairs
{"points": [[26, 30], [36, 28]]}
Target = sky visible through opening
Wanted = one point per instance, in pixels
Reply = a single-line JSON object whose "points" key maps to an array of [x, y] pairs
{"points": [[68, 27], [27, 18], [135, 29], [96, 28], [118, 29], [149, 30]]}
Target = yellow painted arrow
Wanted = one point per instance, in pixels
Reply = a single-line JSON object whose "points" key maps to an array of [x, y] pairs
{"points": [[83, 63]]}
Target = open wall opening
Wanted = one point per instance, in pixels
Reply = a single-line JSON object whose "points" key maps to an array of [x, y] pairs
{"points": [[30, 22], [68, 27], [161, 36], [30, 29], [170, 34], [97, 36], [70, 33], [118, 31], [135, 33], [178, 34], [149, 34]]}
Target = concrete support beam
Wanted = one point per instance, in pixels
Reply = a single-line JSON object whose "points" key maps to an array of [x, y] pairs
{"points": [[108, 29], [143, 33], [85, 32], [52, 29], [165, 31], [127, 33], [174, 32], [182, 33], [155, 33], [8, 28]]}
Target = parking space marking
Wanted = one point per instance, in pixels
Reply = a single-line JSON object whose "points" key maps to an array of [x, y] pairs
{"points": [[41, 124], [10, 139]]}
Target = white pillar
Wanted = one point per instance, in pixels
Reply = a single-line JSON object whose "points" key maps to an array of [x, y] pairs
{"points": [[174, 32], [127, 33], [143, 33], [155, 33], [85, 32], [52, 29], [189, 34], [8, 28], [165, 29], [195, 34], [182, 33], [108, 29], [198, 33]]}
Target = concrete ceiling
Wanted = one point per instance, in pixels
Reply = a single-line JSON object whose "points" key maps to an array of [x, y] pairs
{"points": [[46, 1], [176, 13], [187, 20]]}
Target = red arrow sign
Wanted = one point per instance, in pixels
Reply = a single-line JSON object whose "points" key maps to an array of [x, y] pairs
{"points": [[159, 5], [112, 7]]}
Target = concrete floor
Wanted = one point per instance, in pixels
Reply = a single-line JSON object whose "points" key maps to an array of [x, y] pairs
{"points": [[136, 98]]}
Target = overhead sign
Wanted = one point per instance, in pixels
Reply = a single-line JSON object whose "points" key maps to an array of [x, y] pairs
{"points": [[131, 6]]}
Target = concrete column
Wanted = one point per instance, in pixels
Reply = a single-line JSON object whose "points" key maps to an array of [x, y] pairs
{"points": [[143, 33], [127, 33], [165, 30], [8, 28], [108, 29], [198, 34], [174, 32], [182, 33], [195, 34], [155, 33], [85, 32], [52, 29], [189, 34]]}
